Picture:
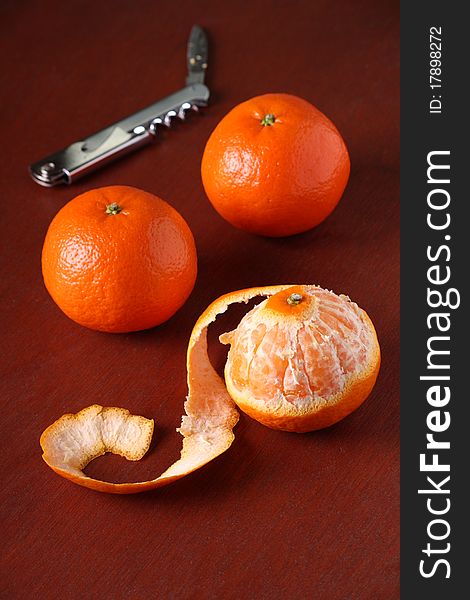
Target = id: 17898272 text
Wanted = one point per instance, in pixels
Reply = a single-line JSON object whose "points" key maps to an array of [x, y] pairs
{"points": [[435, 69]]}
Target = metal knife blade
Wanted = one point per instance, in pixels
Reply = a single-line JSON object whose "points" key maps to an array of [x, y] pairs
{"points": [[197, 55]]}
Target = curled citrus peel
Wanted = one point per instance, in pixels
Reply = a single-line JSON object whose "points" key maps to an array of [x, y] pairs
{"points": [[73, 441]]}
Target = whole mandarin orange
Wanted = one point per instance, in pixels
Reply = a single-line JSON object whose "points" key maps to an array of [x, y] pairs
{"points": [[119, 259], [275, 165]]}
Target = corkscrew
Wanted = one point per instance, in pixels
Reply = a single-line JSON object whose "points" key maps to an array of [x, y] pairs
{"points": [[132, 132]]}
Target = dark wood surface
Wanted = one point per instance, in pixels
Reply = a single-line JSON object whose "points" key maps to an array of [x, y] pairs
{"points": [[279, 516]]}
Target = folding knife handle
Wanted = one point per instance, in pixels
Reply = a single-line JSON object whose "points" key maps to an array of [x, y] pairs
{"points": [[80, 158]]}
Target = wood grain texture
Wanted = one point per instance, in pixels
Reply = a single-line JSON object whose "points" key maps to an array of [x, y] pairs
{"points": [[279, 516]]}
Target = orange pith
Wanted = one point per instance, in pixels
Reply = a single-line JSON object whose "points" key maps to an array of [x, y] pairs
{"points": [[304, 366], [119, 259], [275, 165]]}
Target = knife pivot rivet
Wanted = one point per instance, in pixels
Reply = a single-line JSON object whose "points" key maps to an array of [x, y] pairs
{"points": [[47, 168]]}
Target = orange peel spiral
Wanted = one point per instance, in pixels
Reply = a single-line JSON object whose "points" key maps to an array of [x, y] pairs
{"points": [[73, 441]]}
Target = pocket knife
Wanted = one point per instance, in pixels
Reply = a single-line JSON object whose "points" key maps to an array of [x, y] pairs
{"points": [[80, 158]]}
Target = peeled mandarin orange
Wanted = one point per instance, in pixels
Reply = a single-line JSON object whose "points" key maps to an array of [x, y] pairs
{"points": [[302, 360], [119, 259], [275, 165]]}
